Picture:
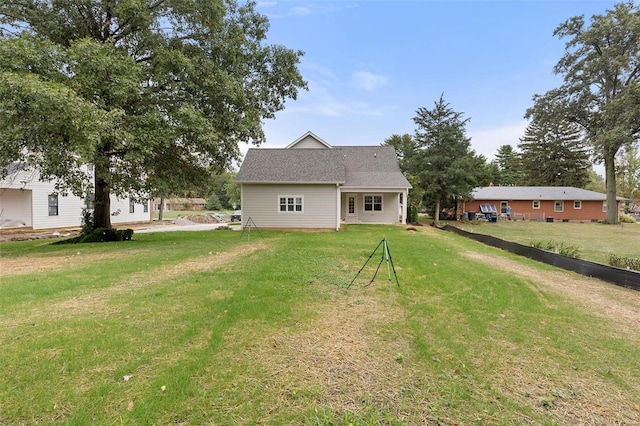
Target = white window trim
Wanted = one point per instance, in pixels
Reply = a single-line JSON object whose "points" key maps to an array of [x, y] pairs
{"points": [[535, 204], [604, 206], [53, 197], [294, 211], [555, 204], [577, 203], [373, 210]]}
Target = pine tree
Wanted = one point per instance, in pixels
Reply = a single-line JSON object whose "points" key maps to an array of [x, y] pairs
{"points": [[508, 162], [553, 154]]}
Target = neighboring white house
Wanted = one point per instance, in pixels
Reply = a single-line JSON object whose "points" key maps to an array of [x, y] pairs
{"points": [[311, 184], [26, 201]]}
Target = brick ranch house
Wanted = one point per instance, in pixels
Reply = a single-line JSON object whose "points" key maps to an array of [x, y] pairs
{"points": [[543, 203]]}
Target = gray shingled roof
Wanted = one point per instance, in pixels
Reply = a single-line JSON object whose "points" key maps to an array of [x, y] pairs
{"points": [[537, 193], [352, 166]]}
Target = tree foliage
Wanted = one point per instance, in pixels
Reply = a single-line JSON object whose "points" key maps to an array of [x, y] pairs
{"points": [[153, 94], [601, 85], [628, 179], [553, 154], [509, 166], [441, 160]]}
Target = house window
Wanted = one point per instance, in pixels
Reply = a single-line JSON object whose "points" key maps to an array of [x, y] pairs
{"points": [[132, 206], [503, 206], [288, 203], [89, 200], [53, 204], [558, 206], [577, 205], [145, 207], [536, 204], [373, 203], [604, 206]]}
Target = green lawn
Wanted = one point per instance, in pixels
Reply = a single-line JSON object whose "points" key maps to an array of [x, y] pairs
{"points": [[208, 328], [596, 241]]}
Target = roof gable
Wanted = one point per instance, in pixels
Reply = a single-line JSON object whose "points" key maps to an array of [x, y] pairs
{"points": [[308, 140], [350, 166]]}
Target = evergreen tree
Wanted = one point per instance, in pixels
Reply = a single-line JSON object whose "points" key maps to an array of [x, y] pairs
{"points": [[443, 163], [508, 162], [553, 154]]}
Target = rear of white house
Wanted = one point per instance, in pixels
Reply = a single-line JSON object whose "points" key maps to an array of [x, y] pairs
{"points": [[311, 184], [27, 202]]}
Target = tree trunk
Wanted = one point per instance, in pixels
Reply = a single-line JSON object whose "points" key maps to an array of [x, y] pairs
{"points": [[610, 179], [161, 210], [102, 203], [436, 216]]}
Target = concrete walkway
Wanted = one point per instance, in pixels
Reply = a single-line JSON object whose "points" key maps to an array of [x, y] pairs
{"points": [[173, 227]]}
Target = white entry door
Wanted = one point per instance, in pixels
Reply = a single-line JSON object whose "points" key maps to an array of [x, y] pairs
{"points": [[351, 205]]}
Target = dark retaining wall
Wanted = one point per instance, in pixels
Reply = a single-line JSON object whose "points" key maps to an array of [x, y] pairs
{"points": [[618, 276]]}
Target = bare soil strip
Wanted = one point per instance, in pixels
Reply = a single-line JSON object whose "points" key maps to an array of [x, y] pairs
{"points": [[94, 302], [618, 304]]}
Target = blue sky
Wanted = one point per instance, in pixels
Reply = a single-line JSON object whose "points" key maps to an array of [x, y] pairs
{"points": [[371, 64]]}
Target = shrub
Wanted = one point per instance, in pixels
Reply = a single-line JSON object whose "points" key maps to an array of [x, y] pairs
{"points": [[100, 235], [624, 262], [626, 218], [557, 247]]}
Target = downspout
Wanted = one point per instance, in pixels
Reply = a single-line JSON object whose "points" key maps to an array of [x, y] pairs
{"points": [[338, 207], [405, 202]]}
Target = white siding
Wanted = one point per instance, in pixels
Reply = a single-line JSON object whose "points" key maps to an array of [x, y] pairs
{"points": [[389, 213], [309, 142], [26, 199], [15, 207], [261, 204]]}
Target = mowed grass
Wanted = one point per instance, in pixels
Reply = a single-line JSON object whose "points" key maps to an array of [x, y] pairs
{"points": [[596, 241], [208, 328]]}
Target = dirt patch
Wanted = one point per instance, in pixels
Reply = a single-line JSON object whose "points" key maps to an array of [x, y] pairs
{"points": [[349, 356], [95, 302], [618, 304], [35, 264]]}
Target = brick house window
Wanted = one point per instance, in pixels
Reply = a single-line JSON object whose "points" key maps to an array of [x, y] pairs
{"points": [[577, 205], [536, 204], [558, 206]]}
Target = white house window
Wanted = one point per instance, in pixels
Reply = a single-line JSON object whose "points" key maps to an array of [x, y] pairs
{"points": [[373, 203], [604, 206], [536, 204], [89, 200], [145, 207], [132, 206], [53, 204], [288, 203], [558, 206], [577, 205]]}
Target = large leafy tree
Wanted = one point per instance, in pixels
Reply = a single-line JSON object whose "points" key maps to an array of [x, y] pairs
{"points": [[152, 95], [601, 87], [553, 154], [442, 161], [628, 178]]}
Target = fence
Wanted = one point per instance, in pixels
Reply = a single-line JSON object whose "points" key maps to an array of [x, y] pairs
{"points": [[539, 217], [622, 277]]}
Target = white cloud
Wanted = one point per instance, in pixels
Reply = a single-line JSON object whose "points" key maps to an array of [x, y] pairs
{"points": [[365, 80], [300, 10], [487, 141]]}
